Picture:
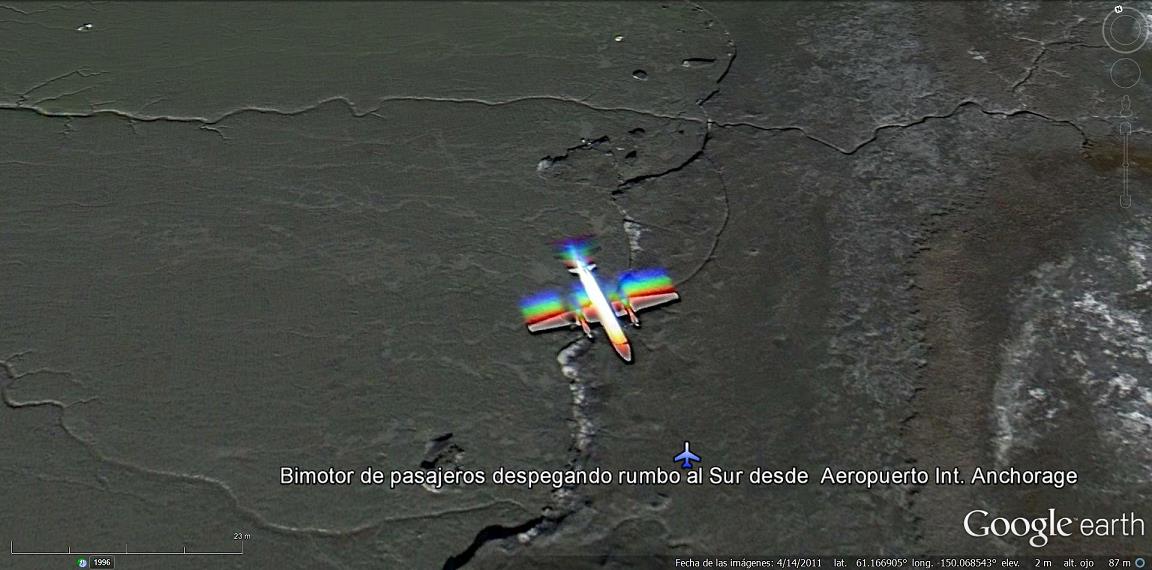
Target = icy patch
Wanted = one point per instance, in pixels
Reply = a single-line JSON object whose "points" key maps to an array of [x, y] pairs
{"points": [[1016, 10], [527, 536], [582, 435], [1092, 303], [634, 231], [564, 500], [1118, 328], [1138, 262], [1007, 403]]}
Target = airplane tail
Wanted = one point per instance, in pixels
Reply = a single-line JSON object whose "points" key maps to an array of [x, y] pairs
{"points": [[576, 250]]}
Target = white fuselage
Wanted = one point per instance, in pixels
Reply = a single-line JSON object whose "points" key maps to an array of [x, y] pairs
{"points": [[604, 310]]}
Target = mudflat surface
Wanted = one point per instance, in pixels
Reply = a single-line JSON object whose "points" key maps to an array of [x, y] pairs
{"points": [[241, 236]]}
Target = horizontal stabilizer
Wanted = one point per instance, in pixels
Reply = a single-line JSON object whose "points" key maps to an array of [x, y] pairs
{"points": [[573, 251]]}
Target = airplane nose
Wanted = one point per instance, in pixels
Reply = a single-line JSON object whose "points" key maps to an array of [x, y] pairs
{"points": [[625, 351]]}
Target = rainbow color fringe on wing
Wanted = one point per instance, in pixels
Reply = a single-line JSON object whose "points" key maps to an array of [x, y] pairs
{"points": [[541, 307], [645, 283]]}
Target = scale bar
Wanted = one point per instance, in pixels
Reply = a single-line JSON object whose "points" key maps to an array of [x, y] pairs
{"points": [[12, 551], [126, 553]]}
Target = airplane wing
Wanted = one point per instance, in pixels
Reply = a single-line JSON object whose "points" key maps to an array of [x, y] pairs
{"points": [[545, 311], [647, 288], [639, 289]]}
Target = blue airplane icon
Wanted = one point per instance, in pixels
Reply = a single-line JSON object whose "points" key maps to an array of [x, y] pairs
{"points": [[687, 457]]}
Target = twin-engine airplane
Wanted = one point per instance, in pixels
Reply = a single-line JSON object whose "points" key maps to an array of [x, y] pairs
{"points": [[635, 290]]}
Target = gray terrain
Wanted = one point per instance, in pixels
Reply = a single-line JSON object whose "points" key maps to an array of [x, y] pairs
{"points": [[240, 236]]}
